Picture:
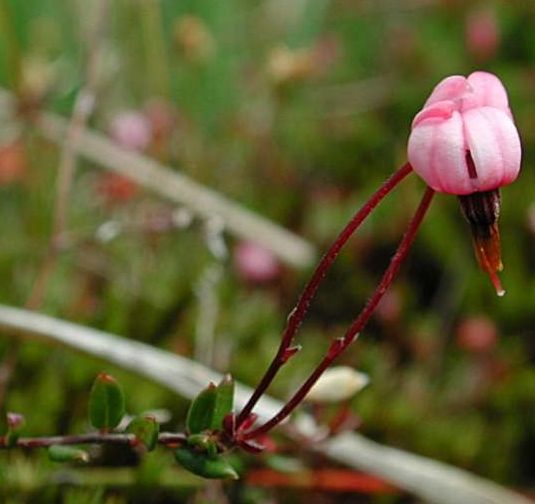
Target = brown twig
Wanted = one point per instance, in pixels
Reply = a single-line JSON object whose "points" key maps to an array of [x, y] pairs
{"points": [[164, 438]]}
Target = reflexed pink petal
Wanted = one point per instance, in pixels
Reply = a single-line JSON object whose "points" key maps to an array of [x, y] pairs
{"points": [[487, 91], [494, 143], [437, 111], [451, 88], [437, 152]]}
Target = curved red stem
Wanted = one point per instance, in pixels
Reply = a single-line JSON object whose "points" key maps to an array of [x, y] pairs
{"points": [[338, 346], [297, 315]]}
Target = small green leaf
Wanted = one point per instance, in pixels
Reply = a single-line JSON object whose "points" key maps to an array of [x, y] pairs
{"points": [[202, 464], [210, 407], [146, 430], [223, 403], [203, 443], [201, 411], [61, 453], [106, 402]]}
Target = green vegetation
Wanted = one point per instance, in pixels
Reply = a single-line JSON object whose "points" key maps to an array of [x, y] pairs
{"points": [[297, 110]]}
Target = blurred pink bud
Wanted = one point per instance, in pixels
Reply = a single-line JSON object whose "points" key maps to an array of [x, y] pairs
{"points": [[255, 263], [464, 139], [14, 420], [12, 162], [477, 335], [131, 130], [482, 33], [390, 308], [115, 188], [161, 117]]}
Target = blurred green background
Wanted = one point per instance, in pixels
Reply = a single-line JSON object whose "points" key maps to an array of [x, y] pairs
{"points": [[297, 109]]}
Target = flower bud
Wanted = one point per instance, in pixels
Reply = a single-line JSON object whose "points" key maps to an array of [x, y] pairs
{"points": [[337, 384]]}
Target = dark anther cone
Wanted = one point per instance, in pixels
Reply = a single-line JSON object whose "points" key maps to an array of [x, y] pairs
{"points": [[482, 210]]}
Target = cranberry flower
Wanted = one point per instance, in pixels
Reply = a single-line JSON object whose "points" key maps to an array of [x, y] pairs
{"points": [[464, 139], [463, 142]]}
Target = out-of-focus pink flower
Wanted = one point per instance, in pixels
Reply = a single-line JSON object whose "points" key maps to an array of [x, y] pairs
{"points": [[115, 188], [477, 335], [390, 307], [482, 33], [161, 117], [131, 130], [12, 162], [464, 139], [256, 264]]}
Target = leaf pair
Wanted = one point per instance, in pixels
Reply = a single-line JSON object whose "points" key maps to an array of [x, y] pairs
{"points": [[205, 417]]}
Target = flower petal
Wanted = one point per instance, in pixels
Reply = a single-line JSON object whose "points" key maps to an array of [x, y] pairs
{"points": [[450, 88], [438, 111], [437, 151], [494, 143], [488, 91]]}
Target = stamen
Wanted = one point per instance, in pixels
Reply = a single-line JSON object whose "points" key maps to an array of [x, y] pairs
{"points": [[472, 172], [482, 210], [487, 249]]}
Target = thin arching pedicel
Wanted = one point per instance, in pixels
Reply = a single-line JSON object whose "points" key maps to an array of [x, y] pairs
{"points": [[297, 315], [339, 345]]}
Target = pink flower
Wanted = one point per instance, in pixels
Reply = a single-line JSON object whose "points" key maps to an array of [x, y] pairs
{"points": [[464, 139], [482, 33], [477, 334], [256, 264], [131, 130]]}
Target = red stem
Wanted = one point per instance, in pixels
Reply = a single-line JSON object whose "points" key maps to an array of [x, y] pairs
{"points": [[297, 315], [338, 346]]}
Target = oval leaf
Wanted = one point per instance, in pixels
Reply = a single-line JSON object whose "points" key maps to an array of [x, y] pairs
{"points": [[223, 402], [201, 411], [146, 430], [106, 402], [60, 453], [201, 464]]}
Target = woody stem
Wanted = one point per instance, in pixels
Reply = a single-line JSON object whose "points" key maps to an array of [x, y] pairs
{"points": [[164, 438], [339, 345], [298, 314]]}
